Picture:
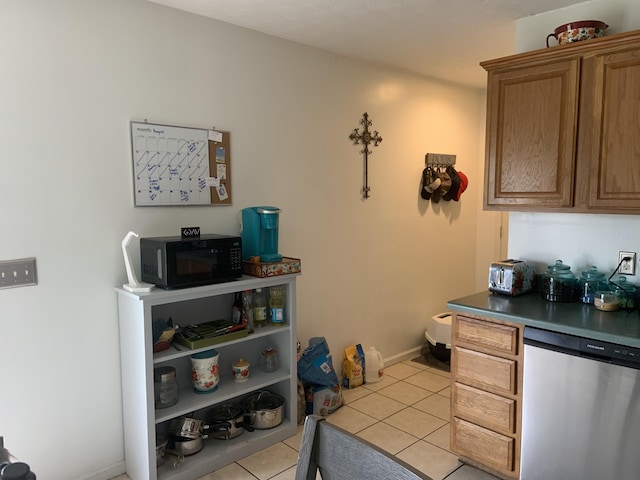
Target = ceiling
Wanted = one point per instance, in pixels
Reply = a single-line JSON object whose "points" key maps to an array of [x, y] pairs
{"points": [[444, 39]]}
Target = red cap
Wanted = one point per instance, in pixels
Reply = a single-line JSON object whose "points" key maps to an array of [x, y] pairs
{"points": [[464, 183]]}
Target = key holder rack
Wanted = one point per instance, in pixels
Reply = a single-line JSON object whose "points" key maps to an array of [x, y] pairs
{"points": [[440, 180], [439, 160]]}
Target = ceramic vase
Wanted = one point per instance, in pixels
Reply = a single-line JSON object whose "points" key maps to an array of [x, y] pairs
{"points": [[205, 373]]}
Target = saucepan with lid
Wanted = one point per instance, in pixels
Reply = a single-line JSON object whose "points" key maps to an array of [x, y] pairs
{"points": [[191, 445], [266, 409], [192, 428], [229, 417]]}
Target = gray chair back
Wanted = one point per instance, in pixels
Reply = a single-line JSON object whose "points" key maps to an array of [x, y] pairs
{"points": [[339, 455]]}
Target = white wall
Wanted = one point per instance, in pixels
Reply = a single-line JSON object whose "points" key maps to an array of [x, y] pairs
{"points": [[74, 73], [492, 234], [579, 240]]}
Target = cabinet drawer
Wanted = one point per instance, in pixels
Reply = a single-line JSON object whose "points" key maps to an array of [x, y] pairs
{"points": [[487, 447], [492, 335], [486, 409], [485, 370]]}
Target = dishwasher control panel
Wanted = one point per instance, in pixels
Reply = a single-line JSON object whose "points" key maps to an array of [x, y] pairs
{"points": [[584, 347], [609, 350]]}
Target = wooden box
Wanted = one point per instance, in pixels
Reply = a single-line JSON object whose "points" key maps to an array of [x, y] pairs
{"points": [[272, 269]]}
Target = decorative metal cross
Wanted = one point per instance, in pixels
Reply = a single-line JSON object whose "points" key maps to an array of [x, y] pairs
{"points": [[366, 138]]}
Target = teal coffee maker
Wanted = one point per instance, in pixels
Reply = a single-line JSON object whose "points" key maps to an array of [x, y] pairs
{"points": [[260, 233]]}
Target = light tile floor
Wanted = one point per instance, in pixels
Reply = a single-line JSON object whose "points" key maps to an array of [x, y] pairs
{"points": [[406, 414]]}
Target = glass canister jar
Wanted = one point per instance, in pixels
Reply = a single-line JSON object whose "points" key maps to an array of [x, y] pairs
{"points": [[626, 292], [589, 283], [270, 362], [559, 284], [165, 387]]}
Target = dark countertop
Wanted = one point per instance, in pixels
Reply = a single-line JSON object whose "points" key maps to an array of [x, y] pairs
{"points": [[572, 318]]}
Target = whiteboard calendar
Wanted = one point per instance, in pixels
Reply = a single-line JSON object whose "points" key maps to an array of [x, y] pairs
{"points": [[174, 165]]}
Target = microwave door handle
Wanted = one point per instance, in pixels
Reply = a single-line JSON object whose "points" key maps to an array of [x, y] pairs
{"points": [[159, 262]]}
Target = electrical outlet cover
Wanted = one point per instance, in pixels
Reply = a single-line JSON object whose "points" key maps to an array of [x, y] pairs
{"points": [[627, 267]]}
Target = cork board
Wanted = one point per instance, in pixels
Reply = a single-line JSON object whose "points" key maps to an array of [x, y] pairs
{"points": [[175, 165]]}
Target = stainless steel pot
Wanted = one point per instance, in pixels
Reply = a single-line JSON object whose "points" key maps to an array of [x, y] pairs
{"points": [[187, 446], [266, 409], [229, 417], [190, 446], [187, 427], [194, 428]]}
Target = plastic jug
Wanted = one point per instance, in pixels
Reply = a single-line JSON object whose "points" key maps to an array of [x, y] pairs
{"points": [[374, 365]]}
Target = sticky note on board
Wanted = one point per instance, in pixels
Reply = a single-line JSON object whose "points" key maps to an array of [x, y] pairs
{"points": [[220, 154], [222, 171], [215, 136], [222, 192], [212, 182]]}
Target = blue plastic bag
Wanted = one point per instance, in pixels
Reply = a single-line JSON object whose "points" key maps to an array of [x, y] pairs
{"points": [[316, 366]]}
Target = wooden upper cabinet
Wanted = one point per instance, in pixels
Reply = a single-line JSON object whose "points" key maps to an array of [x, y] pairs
{"points": [[532, 135], [563, 128], [612, 114]]}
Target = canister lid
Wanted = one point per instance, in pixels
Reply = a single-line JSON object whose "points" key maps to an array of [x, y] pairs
{"points": [[164, 374], [241, 363], [558, 267], [560, 270], [592, 274], [622, 284]]}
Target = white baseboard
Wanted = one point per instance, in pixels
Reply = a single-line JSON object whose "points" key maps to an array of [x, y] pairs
{"points": [[402, 356], [107, 473]]}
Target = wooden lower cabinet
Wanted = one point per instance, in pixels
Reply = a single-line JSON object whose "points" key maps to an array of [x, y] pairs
{"points": [[498, 337], [486, 393], [481, 368], [483, 408], [484, 445]]}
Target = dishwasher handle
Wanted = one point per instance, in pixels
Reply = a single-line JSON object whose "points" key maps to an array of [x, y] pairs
{"points": [[551, 340]]}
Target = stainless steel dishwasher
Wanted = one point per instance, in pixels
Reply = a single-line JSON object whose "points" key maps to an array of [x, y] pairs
{"points": [[580, 409]]}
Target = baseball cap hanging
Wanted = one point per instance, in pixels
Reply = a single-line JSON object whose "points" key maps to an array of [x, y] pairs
{"points": [[445, 185], [464, 183], [455, 184], [430, 183]]}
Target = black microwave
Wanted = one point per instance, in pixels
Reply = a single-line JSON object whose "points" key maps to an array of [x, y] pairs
{"points": [[171, 262]]}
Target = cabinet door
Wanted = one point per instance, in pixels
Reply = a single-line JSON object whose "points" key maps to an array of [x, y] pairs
{"points": [[610, 106], [531, 136]]}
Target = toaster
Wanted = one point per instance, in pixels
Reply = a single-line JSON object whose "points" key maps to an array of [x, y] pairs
{"points": [[511, 277]]}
